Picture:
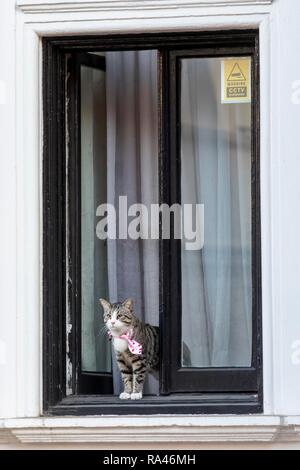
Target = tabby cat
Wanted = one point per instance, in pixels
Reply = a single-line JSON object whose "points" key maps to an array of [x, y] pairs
{"points": [[136, 346]]}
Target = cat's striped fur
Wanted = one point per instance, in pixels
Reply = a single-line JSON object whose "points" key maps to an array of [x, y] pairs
{"points": [[119, 319]]}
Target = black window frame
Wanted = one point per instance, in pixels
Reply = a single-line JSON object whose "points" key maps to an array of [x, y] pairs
{"points": [[214, 379], [222, 391]]}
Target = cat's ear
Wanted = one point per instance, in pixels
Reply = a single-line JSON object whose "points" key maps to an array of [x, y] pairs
{"points": [[105, 304], [128, 303]]}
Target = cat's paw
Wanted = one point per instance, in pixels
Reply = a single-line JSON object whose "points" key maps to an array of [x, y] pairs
{"points": [[136, 396], [125, 396]]}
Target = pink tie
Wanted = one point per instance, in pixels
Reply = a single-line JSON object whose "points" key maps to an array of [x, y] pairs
{"points": [[133, 346]]}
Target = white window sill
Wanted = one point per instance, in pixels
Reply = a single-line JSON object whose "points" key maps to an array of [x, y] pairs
{"points": [[155, 429]]}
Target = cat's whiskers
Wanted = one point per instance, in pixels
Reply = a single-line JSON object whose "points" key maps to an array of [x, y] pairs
{"points": [[103, 331]]}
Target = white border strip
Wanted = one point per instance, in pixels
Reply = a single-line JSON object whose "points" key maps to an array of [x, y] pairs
{"points": [[48, 6]]}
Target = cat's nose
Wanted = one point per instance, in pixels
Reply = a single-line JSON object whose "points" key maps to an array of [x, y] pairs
{"points": [[112, 322]]}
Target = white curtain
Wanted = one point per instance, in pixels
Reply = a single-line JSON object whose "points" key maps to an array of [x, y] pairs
{"points": [[216, 172], [132, 166]]}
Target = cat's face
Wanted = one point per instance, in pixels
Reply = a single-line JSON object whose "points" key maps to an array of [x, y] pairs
{"points": [[117, 317]]}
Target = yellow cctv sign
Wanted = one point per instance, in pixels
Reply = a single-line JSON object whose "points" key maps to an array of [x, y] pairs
{"points": [[236, 80]]}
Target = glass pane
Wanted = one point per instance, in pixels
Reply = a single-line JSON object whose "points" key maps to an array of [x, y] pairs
{"points": [[216, 172], [119, 161], [96, 355]]}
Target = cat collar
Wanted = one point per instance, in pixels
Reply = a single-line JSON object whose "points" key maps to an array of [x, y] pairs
{"points": [[133, 346]]}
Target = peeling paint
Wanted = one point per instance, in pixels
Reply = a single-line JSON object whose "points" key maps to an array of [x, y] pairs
{"points": [[69, 365]]}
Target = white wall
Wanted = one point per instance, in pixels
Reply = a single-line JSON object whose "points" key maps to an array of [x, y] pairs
{"points": [[20, 314], [286, 150], [8, 189]]}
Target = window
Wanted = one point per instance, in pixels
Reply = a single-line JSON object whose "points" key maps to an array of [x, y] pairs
{"points": [[161, 119]]}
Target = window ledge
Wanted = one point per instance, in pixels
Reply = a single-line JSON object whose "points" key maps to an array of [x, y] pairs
{"points": [[154, 429]]}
